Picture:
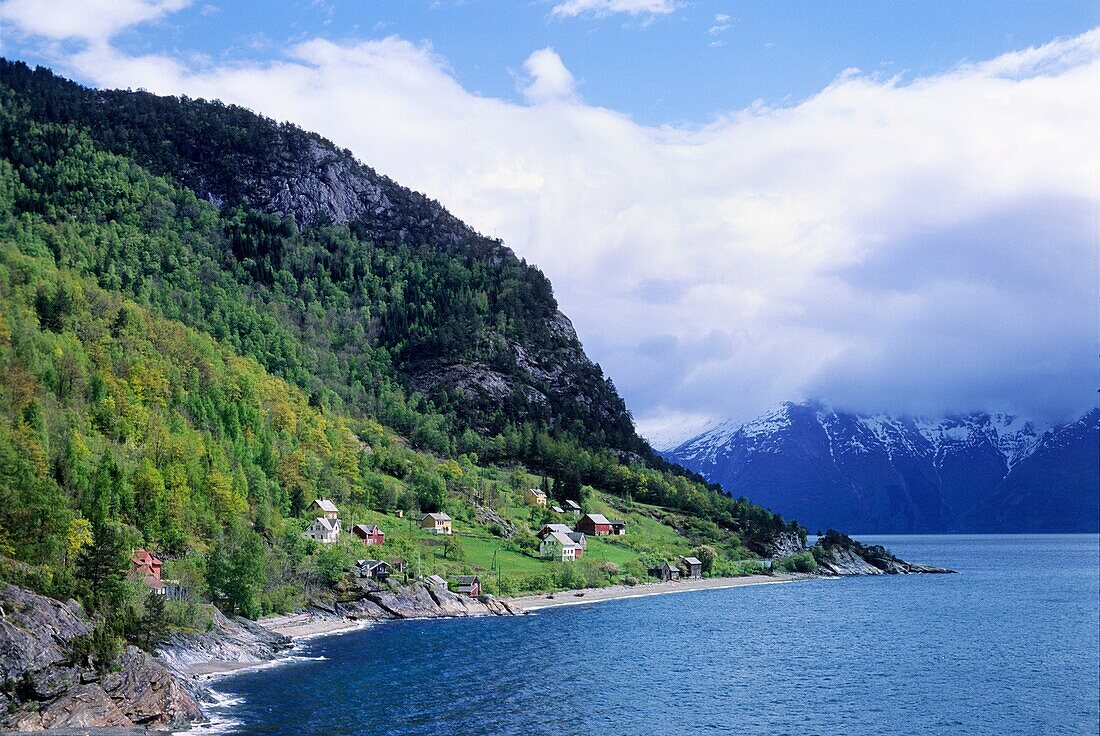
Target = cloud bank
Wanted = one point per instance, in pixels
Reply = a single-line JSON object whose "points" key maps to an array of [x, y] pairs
{"points": [[888, 245], [601, 8]]}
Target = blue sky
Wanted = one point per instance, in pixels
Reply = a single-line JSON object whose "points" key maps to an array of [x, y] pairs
{"points": [[885, 206], [682, 66]]}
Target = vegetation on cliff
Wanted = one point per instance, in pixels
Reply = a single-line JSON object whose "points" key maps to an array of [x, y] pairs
{"points": [[187, 378]]}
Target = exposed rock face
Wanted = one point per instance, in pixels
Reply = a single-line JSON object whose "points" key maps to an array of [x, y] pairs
{"points": [[783, 545], [419, 600], [47, 686], [486, 515], [231, 640], [844, 556]]}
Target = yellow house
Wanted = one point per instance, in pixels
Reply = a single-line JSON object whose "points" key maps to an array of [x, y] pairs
{"points": [[439, 523], [534, 497], [323, 508]]}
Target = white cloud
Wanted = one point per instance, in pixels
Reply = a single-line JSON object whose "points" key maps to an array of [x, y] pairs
{"points": [[90, 20], [601, 8], [903, 246], [721, 24], [549, 79]]}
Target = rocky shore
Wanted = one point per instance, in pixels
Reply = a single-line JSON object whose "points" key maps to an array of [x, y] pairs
{"points": [[49, 687], [838, 554], [48, 684]]}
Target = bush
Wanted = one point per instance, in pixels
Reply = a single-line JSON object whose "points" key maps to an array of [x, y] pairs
{"points": [[801, 562], [570, 576], [538, 581], [506, 586]]}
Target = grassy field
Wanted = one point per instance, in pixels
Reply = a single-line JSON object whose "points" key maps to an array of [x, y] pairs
{"points": [[652, 534], [480, 551]]}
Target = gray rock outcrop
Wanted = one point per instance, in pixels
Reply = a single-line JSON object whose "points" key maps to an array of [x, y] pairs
{"points": [[229, 640], [420, 600], [849, 557], [48, 684]]}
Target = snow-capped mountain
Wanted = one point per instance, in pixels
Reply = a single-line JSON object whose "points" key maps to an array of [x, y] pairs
{"points": [[877, 473]]}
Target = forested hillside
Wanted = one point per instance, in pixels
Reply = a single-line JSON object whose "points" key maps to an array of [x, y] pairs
{"points": [[187, 378], [382, 287]]}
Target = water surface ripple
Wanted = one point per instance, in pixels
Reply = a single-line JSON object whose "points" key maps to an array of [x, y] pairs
{"points": [[1008, 646]]}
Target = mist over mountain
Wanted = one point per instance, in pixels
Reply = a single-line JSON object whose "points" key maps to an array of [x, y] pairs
{"points": [[977, 472]]}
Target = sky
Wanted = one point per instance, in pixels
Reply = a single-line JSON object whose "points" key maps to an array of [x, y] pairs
{"points": [[885, 206]]}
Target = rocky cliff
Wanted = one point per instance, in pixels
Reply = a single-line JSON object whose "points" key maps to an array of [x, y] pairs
{"points": [[368, 601], [48, 683], [837, 554]]}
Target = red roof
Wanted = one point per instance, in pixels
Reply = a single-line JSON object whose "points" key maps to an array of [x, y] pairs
{"points": [[146, 562]]}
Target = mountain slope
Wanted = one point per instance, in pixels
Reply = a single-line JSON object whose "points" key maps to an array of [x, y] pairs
{"points": [[883, 474], [187, 379], [376, 281]]}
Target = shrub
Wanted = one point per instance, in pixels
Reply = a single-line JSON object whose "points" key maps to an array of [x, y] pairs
{"points": [[801, 562]]}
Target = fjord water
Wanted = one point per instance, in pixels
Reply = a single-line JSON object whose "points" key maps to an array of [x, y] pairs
{"points": [[1009, 645]]}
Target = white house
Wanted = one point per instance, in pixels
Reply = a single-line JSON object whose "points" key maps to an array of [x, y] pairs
{"points": [[559, 546], [324, 530], [577, 538], [573, 507]]}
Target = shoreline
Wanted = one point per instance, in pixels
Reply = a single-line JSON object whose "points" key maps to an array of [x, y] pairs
{"points": [[301, 627], [539, 601]]}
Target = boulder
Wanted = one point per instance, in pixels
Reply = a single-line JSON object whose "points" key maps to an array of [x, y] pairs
{"points": [[147, 693], [84, 705], [413, 601], [34, 631], [54, 688]]}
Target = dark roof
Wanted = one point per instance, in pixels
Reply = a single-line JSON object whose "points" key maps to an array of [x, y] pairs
{"points": [[368, 529], [371, 564], [617, 522], [467, 579]]}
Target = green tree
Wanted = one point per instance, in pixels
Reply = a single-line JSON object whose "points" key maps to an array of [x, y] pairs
{"points": [[706, 554], [102, 566], [235, 572], [153, 622], [454, 549]]}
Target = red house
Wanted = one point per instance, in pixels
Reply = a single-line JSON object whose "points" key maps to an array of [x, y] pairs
{"points": [[371, 535], [595, 524], [467, 585], [146, 563], [148, 566]]}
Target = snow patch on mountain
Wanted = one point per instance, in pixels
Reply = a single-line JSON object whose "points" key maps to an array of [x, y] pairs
{"points": [[1012, 436]]}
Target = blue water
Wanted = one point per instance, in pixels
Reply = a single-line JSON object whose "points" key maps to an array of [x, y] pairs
{"points": [[1009, 646]]}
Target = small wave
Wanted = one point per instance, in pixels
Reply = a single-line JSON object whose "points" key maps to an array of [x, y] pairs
{"points": [[218, 721]]}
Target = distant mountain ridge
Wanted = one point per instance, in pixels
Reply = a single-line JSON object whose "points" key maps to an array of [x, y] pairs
{"points": [[882, 474]]}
